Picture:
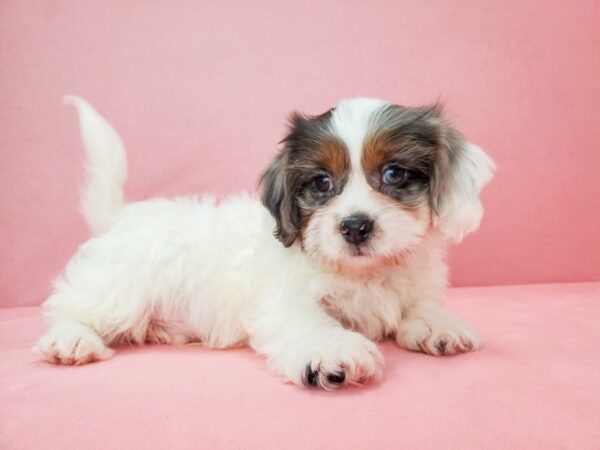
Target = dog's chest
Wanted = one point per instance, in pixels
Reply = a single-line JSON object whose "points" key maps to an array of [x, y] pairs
{"points": [[371, 307]]}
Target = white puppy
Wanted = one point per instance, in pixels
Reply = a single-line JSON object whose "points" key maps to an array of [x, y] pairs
{"points": [[363, 198]]}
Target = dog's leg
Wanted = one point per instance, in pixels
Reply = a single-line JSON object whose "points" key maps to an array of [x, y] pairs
{"points": [[306, 346], [84, 323], [71, 338], [430, 328]]}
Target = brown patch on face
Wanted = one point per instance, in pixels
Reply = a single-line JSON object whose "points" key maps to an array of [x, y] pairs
{"points": [[384, 147], [404, 141], [376, 152], [331, 155]]}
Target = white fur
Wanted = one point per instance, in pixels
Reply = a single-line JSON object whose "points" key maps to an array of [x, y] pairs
{"points": [[189, 269], [462, 212], [102, 197]]}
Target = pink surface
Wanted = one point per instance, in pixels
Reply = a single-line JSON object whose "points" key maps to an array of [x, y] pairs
{"points": [[533, 386], [200, 91]]}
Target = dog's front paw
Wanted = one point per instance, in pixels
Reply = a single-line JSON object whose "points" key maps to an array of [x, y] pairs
{"points": [[72, 344], [437, 333], [347, 358]]}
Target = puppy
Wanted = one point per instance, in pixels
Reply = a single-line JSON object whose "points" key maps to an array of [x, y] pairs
{"points": [[362, 200]]}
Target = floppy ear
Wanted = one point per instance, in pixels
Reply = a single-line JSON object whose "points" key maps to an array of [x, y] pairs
{"points": [[277, 193], [460, 170]]}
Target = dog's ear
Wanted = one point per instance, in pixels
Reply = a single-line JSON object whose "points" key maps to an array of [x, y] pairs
{"points": [[279, 186], [459, 172]]}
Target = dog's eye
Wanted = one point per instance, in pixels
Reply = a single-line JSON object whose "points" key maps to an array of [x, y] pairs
{"points": [[323, 183], [394, 175]]}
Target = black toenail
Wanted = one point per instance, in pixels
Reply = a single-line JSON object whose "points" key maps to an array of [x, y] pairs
{"points": [[309, 378], [336, 378], [441, 346]]}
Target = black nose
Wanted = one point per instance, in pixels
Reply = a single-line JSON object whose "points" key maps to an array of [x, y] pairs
{"points": [[356, 228]]}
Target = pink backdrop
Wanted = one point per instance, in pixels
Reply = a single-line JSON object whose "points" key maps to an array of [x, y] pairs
{"points": [[200, 91]]}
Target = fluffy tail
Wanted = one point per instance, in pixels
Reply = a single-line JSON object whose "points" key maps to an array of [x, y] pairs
{"points": [[102, 196]]}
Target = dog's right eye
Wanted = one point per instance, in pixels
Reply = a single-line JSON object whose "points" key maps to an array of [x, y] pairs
{"points": [[322, 183]]}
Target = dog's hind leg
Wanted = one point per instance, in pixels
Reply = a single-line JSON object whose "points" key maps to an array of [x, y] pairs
{"points": [[86, 317]]}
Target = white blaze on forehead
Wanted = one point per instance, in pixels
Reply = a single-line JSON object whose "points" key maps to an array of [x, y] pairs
{"points": [[350, 122]]}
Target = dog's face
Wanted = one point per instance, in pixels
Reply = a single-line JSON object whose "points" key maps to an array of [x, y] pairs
{"points": [[362, 184]]}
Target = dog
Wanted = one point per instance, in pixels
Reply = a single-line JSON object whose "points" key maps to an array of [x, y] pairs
{"points": [[342, 247]]}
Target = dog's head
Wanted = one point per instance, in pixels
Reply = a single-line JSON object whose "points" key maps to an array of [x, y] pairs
{"points": [[364, 183]]}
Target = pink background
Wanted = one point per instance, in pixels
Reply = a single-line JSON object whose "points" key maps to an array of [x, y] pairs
{"points": [[200, 91]]}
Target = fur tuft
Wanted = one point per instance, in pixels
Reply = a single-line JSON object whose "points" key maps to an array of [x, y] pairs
{"points": [[102, 196]]}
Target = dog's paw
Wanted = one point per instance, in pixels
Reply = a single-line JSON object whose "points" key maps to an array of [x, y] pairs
{"points": [[72, 344], [347, 358], [437, 333]]}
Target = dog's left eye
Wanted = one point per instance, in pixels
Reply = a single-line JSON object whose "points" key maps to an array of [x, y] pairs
{"points": [[323, 183], [393, 175]]}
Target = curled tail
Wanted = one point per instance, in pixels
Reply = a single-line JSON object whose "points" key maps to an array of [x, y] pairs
{"points": [[102, 196]]}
